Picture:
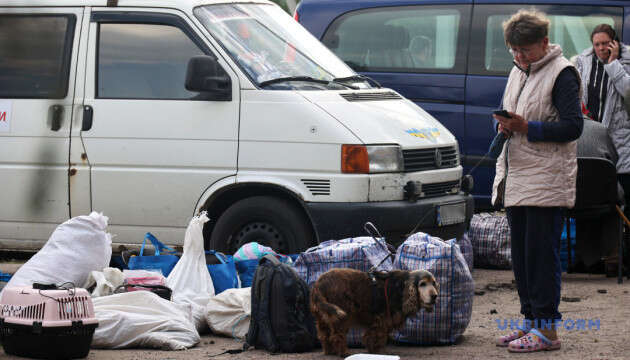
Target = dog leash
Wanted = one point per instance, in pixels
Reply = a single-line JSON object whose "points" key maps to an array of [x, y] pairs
{"points": [[389, 316], [372, 230]]}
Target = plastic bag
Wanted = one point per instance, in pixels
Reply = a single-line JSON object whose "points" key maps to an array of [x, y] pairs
{"points": [[143, 277], [230, 312], [104, 282], [190, 280], [361, 253], [224, 274], [466, 248], [141, 319], [76, 247], [164, 258], [247, 257], [491, 241], [453, 309]]}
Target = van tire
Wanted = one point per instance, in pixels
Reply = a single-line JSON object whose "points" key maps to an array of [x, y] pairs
{"points": [[270, 221]]}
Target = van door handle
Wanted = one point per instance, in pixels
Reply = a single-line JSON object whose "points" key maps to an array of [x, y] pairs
{"points": [[57, 112], [87, 118]]}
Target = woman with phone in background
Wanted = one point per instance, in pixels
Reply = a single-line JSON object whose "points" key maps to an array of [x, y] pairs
{"points": [[536, 172], [605, 76]]}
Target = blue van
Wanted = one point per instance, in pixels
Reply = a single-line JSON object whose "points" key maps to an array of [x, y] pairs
{"points": [[448, 56]]}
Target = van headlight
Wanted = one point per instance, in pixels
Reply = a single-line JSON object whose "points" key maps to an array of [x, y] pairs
{"points": [[364, 159]]}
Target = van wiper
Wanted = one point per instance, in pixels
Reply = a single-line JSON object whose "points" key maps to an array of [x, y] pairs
{"points": [[358, 77], [293, 78]]}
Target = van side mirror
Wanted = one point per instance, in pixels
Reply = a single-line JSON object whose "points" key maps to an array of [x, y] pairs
{"points": [[206, 76]]}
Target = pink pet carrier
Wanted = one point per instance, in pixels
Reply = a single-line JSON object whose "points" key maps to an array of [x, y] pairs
{"points": [[47, 322]]}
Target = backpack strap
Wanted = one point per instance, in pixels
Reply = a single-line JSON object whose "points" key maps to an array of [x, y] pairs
{"points": [[271, 258]]}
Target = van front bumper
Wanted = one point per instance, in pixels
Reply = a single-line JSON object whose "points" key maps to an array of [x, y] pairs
{"points": [[394, 219]]}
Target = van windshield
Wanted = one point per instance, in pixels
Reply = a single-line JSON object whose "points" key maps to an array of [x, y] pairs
{"points": [[274, 50]]}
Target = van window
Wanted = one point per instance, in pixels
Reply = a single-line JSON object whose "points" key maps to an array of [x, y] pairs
{"points": [[143, 61], [35, 55], [269, 45], [570, 27], [401, 39]]}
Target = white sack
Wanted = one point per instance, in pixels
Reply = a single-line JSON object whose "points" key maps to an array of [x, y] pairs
{"points": [[229, 313], [106, 281], [76, 247], [190, 279], [142, 319]]}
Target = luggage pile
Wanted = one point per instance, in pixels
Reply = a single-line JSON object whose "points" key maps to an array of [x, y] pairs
{"points": [[164, 299]]}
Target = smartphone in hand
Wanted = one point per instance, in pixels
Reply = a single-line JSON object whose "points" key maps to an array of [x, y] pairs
{"points": [[503, 113]]}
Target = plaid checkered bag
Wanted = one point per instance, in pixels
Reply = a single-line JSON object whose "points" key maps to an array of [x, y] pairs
{"points": [[490, 238], [360, 253], [453, 308], [465, 246]]}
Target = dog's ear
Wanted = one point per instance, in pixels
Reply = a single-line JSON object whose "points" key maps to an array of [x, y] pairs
{"points": [[411, 297]]}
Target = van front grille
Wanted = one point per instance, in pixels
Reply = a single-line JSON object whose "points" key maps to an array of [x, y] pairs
{"points": [[442, 188], [371, 96], [430, 159]]}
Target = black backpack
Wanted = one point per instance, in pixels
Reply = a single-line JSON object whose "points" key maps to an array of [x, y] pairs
{"points": [[281, 319]]}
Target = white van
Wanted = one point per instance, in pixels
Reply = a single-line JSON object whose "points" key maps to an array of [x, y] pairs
{"points": [[151, 111]]}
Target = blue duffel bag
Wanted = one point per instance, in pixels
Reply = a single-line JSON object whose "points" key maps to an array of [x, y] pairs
{"points": [[223, 274], [164, 258]]}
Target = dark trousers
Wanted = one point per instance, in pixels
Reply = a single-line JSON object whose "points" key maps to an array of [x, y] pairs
{"points": [[536, 233]]}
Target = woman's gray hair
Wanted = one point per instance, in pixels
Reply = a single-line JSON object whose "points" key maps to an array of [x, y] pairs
{"points": [[526, 27]]}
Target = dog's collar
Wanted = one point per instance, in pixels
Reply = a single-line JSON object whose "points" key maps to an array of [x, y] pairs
{"points": [[372, 277]]}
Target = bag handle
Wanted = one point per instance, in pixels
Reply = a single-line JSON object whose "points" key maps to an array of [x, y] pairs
{"points": [[146, 286], [222, 258], [372, 231], [159, 246], [270, 257]]}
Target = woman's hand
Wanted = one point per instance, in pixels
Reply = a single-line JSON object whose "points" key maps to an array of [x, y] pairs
{"points": [[510, 125], [502, 129], [614, 51]]}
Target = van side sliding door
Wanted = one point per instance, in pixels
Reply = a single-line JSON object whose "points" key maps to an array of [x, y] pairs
{"points": [[38, 60]]}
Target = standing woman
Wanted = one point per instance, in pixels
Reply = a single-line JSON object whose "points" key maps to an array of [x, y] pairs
{"points": [[604, 71], [536, 172]]}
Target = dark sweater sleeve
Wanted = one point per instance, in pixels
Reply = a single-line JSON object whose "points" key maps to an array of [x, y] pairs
{"points": [[566, 99]]}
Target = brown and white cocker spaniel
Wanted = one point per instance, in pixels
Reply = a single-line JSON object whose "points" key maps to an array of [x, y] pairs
{"points": [[346, 298]]}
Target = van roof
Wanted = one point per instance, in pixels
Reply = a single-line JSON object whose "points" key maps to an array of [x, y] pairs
{"points": [[175, 4]]}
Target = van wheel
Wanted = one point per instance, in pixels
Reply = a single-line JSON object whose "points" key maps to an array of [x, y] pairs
{"points": [[266, 220]]}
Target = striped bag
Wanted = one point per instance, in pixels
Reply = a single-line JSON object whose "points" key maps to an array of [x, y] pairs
{"points": [[490, 238], [453, 308], [360, 253], [465, 246]]}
